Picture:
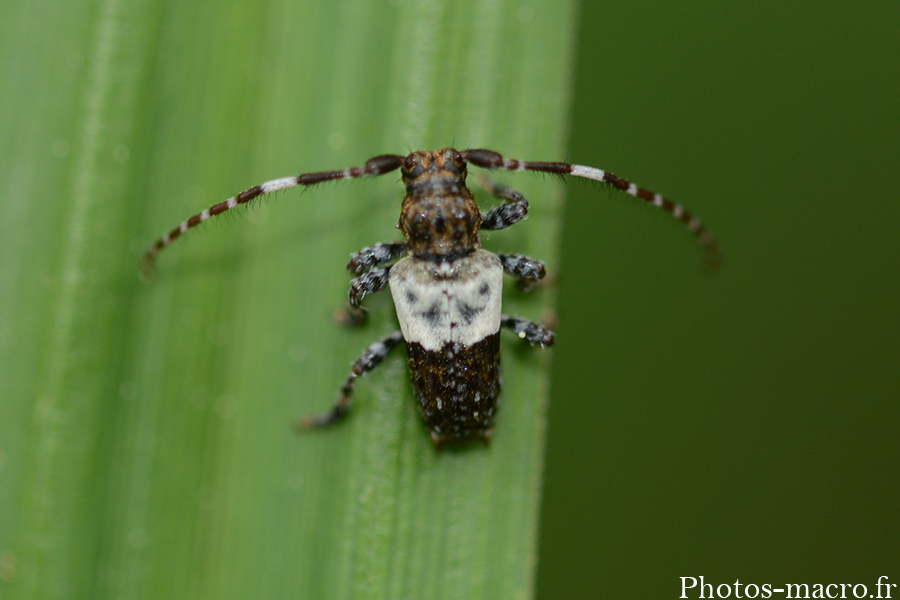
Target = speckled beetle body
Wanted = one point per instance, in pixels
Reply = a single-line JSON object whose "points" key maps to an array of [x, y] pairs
{"points": [[446, 288]]}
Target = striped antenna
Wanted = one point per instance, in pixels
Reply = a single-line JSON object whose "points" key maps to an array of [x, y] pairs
{"points": [[374, 166], [488, 159]]}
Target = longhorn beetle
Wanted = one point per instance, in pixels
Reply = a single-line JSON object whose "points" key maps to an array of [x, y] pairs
{"points": [[446, 288]]}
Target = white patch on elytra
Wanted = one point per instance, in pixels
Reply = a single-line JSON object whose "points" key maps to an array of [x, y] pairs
{"points": [[439, 303]]}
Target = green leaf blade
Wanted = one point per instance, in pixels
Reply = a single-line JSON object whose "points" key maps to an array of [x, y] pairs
{"points": [[147, 440]]}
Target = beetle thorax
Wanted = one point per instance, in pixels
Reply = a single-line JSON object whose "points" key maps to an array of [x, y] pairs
{"points": [[439, 217]]}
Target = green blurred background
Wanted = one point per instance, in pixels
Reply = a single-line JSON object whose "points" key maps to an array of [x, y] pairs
{"points": [[743, 426]]}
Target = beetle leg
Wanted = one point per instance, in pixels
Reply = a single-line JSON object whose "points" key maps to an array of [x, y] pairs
{"points": [[504, 215], [528, 270], [533, 333], [371, 358]]}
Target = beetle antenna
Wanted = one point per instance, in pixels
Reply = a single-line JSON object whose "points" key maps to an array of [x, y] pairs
{"points": [[488, 159], [378, 165]]}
